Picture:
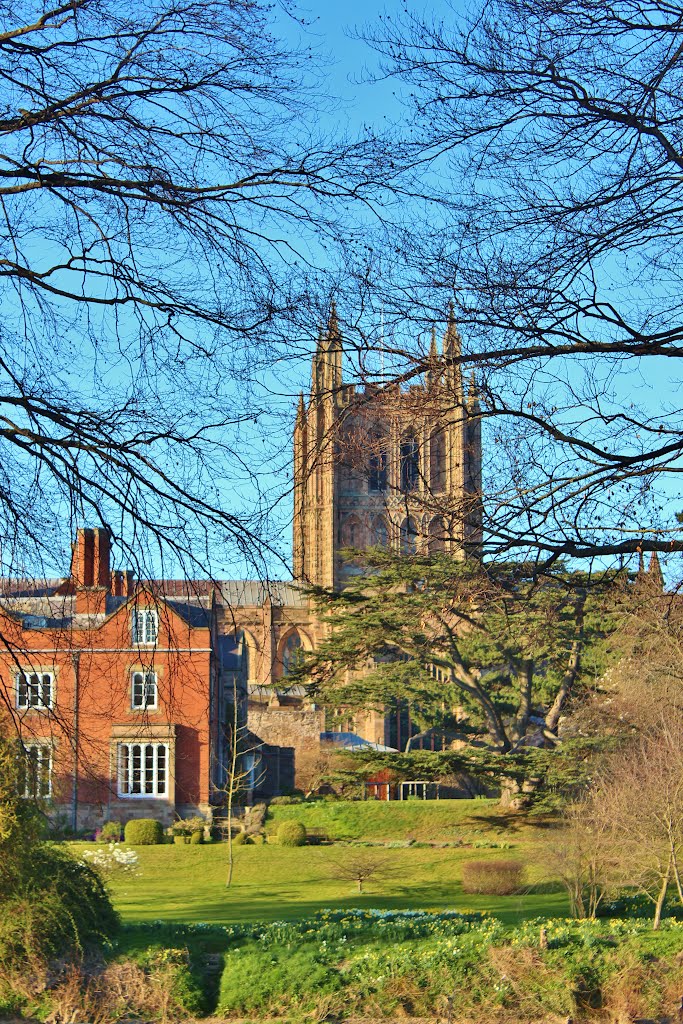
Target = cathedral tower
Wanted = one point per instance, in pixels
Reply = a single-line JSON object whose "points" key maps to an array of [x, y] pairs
{"points": [[384, 467]]}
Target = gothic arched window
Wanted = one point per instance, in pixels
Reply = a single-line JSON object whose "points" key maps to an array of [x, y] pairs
{"points": [[351, 533], [248, 656], [377, 465], [408, 536], [380, 534], [410, 463], [292, 652], [437, 536], [437, 461]]}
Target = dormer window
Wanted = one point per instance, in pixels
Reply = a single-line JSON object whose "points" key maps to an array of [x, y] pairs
{"points": [[144, 691], [145, 626]]}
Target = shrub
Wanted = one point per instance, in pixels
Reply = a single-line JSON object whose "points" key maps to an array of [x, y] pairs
{"points": [[285, 801], [197, 837], [162, 987], [112, 861], [110, 832], [187, 826], [58, 906], [144, 832], [291, 833], [241, 839], [492, 877], [179, 840], [259, 839]]}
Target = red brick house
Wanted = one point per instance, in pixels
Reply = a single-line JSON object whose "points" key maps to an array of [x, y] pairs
{"points": [[119, 693], [123, 691]]}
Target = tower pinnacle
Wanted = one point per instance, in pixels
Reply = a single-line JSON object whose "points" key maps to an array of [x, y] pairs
{"points": [[452, 342]]}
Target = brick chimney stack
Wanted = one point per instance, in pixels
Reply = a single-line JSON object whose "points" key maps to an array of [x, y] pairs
{"points": [[90, 570], [122, 583]]}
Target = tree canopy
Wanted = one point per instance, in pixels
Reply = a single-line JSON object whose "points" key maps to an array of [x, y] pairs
{"points": [[489, 654]]}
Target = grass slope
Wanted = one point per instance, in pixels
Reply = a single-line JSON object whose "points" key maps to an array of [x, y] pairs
{"points": [[424, 820], [187, 884]]}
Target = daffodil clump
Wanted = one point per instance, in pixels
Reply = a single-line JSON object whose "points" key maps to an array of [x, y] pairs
{"points": [[375, 962]]}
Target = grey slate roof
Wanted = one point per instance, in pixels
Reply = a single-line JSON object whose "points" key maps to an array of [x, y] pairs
{"points": [[255, 592], [191, 599], [233, 593]]}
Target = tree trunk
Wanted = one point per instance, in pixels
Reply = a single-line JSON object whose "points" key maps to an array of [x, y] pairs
{"points": [[231, 781], [572, 671], [360, 885], [526, 677], [677, 876], [469, 682], [662, 896]]}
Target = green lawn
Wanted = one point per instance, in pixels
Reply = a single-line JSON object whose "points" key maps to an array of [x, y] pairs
{"points": [[187, 884], [423, 820]]}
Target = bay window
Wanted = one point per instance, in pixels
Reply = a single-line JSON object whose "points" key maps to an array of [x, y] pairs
{"points": [[143, 769]]}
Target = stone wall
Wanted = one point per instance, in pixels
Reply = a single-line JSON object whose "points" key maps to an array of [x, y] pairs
{"points": [[296, 729]]}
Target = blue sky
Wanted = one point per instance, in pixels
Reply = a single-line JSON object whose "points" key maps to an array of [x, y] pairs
{"points": [[348, 67]]}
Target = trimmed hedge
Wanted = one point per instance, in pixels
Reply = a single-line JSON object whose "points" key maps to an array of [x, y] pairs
{"points": [[240, 839], [144, 832], [196, 838], [291, 833], [492, 877]]}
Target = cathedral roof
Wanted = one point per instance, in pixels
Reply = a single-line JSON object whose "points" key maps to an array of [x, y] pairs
{"points": [[234, 593]]}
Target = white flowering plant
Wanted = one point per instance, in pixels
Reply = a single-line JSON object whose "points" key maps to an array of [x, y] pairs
{"points": [[112, 860]]}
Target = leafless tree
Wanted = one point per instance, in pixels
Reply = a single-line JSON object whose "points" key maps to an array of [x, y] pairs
{"points": [[315, 765], [242, 770], [581, 855], [360, 865], [639, 801], [552, 134], [167, 199]]}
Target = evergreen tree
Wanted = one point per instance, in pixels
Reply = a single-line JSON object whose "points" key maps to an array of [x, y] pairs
{"points": [[489, 654]]}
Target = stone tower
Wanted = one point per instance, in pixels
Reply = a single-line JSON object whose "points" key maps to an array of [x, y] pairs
{"points": [[388, 467]]}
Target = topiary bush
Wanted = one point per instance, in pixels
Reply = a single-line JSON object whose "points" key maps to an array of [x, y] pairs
{"points": [[110, 832], [197, 837], [492, 877], [241, 839], [291, 833], [144, 832]]}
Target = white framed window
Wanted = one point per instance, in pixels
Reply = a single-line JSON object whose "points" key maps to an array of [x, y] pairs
{"points": [[142, 769], [145, 626], [35, 772], [143, 694], [35, 690]]}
